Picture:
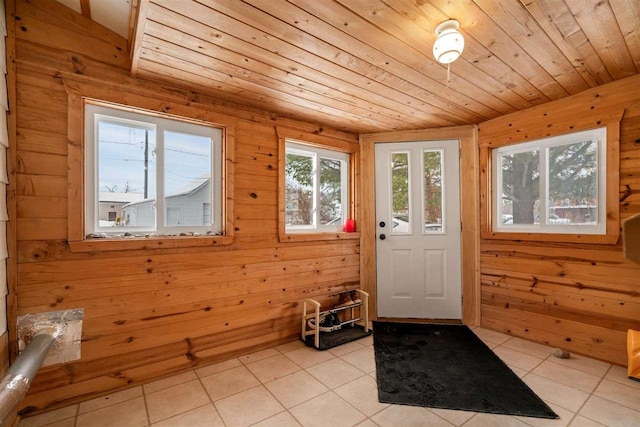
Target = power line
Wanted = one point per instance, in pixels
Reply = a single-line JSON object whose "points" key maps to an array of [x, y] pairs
{"points": [[139, 145], [182, 176]]}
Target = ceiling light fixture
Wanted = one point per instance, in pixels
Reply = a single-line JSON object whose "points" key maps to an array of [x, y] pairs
{"points": [[449, 44]]}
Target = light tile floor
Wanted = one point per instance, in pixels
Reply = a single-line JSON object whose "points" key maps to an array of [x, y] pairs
{"points": [[293, 385]]}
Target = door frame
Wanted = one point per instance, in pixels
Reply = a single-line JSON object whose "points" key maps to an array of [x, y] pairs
{"points": [[469, 211]]}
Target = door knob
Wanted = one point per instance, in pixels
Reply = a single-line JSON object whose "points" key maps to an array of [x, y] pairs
{"points": [[382, 224], [382, 237]]}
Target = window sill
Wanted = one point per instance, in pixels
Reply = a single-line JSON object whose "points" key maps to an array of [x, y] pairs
{"points": [[310, 237], [604, 239], [98, 245]]}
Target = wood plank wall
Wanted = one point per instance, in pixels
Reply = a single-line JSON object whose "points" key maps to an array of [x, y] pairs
{"points": [[150, 313], [579, 297]]}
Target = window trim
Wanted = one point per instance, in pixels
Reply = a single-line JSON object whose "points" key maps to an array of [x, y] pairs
{"points": [[543, 145], [94, 114], [319, 142], [612, 208], [78, 95]]}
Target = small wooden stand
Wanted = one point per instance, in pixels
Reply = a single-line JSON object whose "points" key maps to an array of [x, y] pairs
{"points": [[362, 319]]}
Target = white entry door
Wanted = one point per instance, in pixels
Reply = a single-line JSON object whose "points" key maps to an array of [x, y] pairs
{"points": [[418, 230]]}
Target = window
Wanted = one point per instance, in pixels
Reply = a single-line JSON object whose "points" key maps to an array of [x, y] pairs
{"points": [[552, 185], [164, 173], [316, 188], [206, 213]]}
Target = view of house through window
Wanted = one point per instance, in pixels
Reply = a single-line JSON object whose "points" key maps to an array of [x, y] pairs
{"points": [[316, 188], [150, 174], [554, 185]]}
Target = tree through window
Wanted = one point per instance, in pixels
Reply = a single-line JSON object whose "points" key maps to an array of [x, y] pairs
{"points": [[552, 185], [316, 188]]}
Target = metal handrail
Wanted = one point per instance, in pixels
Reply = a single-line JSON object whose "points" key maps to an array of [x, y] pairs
{"points": [[16, 382]]}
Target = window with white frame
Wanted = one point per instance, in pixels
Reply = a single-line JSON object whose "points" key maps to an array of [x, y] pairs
{"points": [[316, 188], [552, 185], [163, 174]]}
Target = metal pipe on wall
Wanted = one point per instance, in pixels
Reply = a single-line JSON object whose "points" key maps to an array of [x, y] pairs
{"points": [[16, 382]]}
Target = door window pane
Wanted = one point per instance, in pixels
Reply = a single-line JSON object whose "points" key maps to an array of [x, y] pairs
{"points": [[126, 171], [432, 201], [573, 184], [299, 189], [187, 180], [400, 205], [521, 188], [331, 191]]}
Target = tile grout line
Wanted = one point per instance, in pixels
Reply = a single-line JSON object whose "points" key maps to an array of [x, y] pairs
{"points": [[207, 393], [329, 389], [591, 395], [618, 383], [442, 418], [530, 371], [144, 395], [308, 373], [587, 373], [470, 418], [261, 384], [146, 407]]}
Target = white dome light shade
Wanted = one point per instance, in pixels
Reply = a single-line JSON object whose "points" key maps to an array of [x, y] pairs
{"points": [[449, 43]]}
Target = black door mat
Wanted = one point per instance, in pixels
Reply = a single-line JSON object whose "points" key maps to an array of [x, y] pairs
{"points": [[448, 366], [341, 336]]}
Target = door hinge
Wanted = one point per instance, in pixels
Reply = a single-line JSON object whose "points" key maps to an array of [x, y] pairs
{"points": [[461, 226], [462, 299]]}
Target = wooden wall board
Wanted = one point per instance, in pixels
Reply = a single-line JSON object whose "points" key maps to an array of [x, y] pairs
{"points": [[187, 306], [150, 312], [578, 296], [555, 332]]}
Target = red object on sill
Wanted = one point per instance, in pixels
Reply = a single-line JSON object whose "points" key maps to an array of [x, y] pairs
{"points": [[350, 226]]}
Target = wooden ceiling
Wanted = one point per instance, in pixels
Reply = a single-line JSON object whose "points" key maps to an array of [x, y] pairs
{"points": [[366, 65]]}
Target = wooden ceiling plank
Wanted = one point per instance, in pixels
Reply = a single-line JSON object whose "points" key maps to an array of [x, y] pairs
{"points": [[164, 47], [627, 13], [55, 63], [406, 29], [601, 27], [136, 33], [298, 60], [481, 27], [54, 35], [474, 52], [299, 40], [133, 18], [277, 68], [515, 20], [57, 14], [163, 73], [317, 35], [269, 98], [85, 7], [351, 24], [558, 22]]}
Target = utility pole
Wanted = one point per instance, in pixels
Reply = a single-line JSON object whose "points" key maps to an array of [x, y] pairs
{"points": [[146, 162]]}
